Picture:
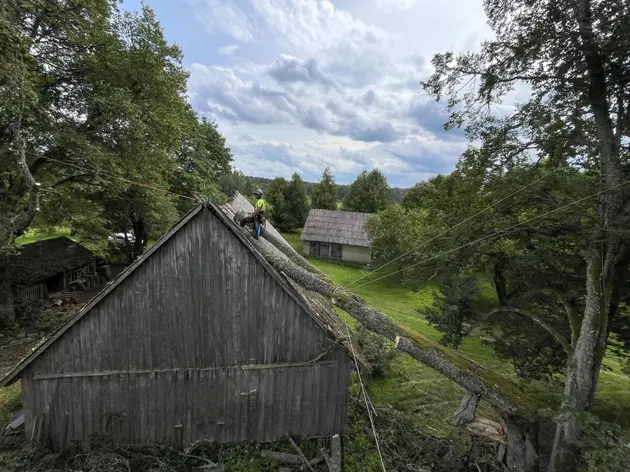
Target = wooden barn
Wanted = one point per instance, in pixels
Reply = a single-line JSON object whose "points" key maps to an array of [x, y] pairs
{"points": [[50, 265], [200, 338], [339, 235]]}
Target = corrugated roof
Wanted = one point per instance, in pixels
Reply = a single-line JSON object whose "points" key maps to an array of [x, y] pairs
{"points": [[341, 227]]}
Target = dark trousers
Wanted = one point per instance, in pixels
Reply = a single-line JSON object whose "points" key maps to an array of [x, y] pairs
{"points": [[249, 220]]}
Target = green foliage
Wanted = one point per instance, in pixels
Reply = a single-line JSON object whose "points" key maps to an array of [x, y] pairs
{"points": [[234, 181], [454, 309], [605, 446], [288, 202], [106, 99], [244, 458], [369, 193], [324, 194], [377, 351]]}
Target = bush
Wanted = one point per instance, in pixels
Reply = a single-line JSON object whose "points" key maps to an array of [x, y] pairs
{"points": [[377, 350]]}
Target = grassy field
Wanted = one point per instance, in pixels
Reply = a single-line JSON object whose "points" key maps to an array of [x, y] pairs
{"points": [[34, 236], [431, 398]]}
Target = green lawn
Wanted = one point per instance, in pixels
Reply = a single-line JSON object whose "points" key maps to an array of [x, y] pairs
{"points": [[423, 392], [32, 236]]}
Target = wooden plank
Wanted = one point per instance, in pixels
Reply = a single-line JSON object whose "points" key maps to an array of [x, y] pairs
{"points": [[202, 406], [88, 406], [296, 365], [133, 405], [97, 414], [152, 419], [28, 403]]}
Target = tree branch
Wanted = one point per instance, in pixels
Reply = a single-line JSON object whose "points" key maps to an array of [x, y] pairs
{"points": [[73, 178], [550, 329], [573, 315]]}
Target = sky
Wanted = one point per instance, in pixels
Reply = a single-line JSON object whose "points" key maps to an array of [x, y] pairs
{"points": [[298, 85]]}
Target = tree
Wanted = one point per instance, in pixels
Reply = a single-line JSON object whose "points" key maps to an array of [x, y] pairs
{"points": [[369, 193], [288, 202], [514, 406], [275, 199], [324, 193], [93, 99], [573, 57], [296, 203]]}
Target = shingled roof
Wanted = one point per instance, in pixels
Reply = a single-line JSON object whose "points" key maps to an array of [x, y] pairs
{"points": [[341, 227], [43, 259]]}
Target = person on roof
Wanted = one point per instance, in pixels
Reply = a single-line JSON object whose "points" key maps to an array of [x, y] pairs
{"points": [[258, 216], [260, 206]]}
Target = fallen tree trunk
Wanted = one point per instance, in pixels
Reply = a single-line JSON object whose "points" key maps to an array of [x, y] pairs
{"points": [[502, 394], [278, 242]]}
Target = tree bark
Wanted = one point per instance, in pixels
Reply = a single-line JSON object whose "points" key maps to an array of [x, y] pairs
{"points": [[605, 262], [7, 309], [466, 411]]}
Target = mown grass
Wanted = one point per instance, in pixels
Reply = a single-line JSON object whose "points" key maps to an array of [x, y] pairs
{"points": [[33, 236], [421, 391]]}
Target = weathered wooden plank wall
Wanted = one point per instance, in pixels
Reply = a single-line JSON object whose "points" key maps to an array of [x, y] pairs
{"points": [[163, 348], [224, 404]]}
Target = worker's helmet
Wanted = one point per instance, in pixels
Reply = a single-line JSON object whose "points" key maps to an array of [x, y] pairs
{"points": [[258, 192]]}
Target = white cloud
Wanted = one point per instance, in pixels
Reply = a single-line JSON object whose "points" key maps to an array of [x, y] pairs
{"points": [[228, 50], [396, 5], [317, 85]]}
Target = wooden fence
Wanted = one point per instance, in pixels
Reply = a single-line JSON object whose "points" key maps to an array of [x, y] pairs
{"points": [[30, 292]]}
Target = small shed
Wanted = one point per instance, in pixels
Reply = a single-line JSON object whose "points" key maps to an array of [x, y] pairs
{"points": [[339, 235], [46, 266], [199, 339]]}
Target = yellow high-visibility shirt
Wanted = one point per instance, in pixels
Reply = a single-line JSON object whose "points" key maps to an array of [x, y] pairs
{"points": [[261, 205]]}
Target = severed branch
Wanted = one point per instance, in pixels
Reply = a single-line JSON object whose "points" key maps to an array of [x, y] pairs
{"points": [[466, 411], [301, 454]]}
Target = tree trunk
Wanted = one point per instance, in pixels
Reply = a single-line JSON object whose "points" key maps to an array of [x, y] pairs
{"points": [[141, 236], [7, 309], [602, 303], [606, 265]]}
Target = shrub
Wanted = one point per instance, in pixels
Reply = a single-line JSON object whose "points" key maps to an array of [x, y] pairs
{"points": [[377, 350]]}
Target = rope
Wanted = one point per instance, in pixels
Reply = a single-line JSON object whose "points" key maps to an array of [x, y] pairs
{"points": [[625, 182], [115, 177], [365, 399], [423, 244]]}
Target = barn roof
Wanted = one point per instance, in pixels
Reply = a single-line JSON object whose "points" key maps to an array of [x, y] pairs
{"points": [[341, 227], [43, 259], [324, 318]]}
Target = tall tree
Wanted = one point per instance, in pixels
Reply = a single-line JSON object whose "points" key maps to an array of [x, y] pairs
{"points": [[573, 56], [275, 199], [296, 203], [324, 193], [369, 193], [93, 98]]}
